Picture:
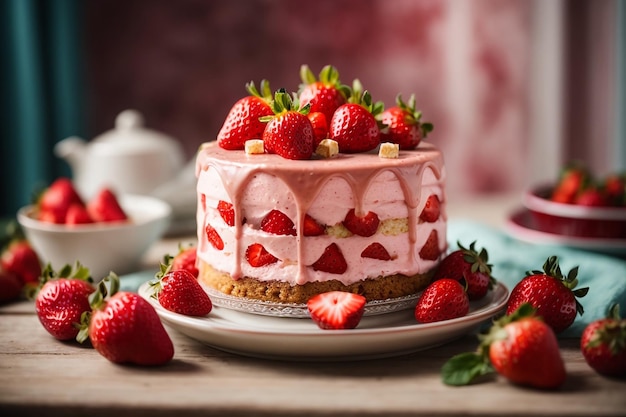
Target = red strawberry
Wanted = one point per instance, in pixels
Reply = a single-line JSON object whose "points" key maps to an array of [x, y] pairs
{"points": [[185, 259], [56, 200], [520, 347], [62, 299], [242, 122], [592, 197], [179, 291], [10, 286], [258, 256], [227, 212], [289, 132], [214, 238], [77, 214], [366, 225], [551, 293], [278, 223], [603, 344], [573, 178], [432, 209], [331, 261], [376, 251], [311, 227], [354, 125], [443, 299], [615, 186], [430, 251], [104, 207], [323, 95], [469, 267], [19, 257], [336, 309], [125, 328], [404, 125], [320, 126]]}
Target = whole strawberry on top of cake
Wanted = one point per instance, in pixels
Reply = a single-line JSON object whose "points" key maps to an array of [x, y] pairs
{"points": [[286, 214]]}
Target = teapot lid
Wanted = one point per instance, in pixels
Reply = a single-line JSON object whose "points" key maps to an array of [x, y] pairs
{"points": [[131, 136]]}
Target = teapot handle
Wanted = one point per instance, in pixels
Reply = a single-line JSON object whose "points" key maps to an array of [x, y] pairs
{"points": [[129, 119]]}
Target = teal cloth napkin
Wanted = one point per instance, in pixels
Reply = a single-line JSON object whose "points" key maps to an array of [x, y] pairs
{"points": [[604, 275]]}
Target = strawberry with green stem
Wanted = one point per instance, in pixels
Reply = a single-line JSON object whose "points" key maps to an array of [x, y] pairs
{"points": [[124, 328], [243, 120], [603, 344], [403, 124], [354, 125], [443, 299], [553, 294], [178, 290], [520, 347], [324, 94], [62, 298], [288, 132]]}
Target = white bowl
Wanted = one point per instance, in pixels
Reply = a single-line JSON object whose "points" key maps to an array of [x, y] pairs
{"points": [[101, 247]]}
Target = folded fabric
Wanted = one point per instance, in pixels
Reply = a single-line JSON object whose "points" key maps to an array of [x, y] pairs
{"points": [[604, 275]]}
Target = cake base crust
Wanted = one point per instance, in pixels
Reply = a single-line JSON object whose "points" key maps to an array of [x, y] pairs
{"points": [[380, 288]]}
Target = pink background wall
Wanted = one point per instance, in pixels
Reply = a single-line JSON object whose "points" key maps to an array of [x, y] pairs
{"points": [[470, 64]]}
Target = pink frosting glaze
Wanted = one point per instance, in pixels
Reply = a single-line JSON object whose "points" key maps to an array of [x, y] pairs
{"points": [[326, 189]]}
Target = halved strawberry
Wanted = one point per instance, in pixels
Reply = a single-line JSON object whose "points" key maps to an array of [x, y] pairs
{"points": [[226, 211], [214, 238], [336, 309], [431, 210], [311, 227], [361, 225], [430, 251], [258, 256], [278, 223], [376, 251], [331, 260]]}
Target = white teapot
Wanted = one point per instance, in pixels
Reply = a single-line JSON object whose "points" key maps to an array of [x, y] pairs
{"points": [[129, 159]]}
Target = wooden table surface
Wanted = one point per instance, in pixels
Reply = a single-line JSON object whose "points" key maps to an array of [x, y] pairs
{"points": [[42, 376]]}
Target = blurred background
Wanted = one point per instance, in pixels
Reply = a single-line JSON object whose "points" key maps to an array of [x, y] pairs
{"points": [[515, 88]]}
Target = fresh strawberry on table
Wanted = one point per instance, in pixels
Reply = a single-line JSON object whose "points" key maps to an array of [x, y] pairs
{"points": [[553, 294], [443, 299], [354, 125], [336, 310], [288, 132], [62, 298], [603, 344], [469, 266], [324, 94], [19, 257], [105, 207], [242, 122], [179, 291], [54, 202], [521, 347], [125, 328], [404, 124]]}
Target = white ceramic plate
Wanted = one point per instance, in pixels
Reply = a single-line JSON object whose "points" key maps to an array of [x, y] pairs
{"points": [[283, 338], [520, 225]]}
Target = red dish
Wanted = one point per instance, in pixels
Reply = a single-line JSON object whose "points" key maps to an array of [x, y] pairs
{"points": [[574, 220]]}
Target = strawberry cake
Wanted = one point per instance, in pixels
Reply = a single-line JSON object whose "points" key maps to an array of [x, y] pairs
{"points": [[280, 230], [293, 207]]}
